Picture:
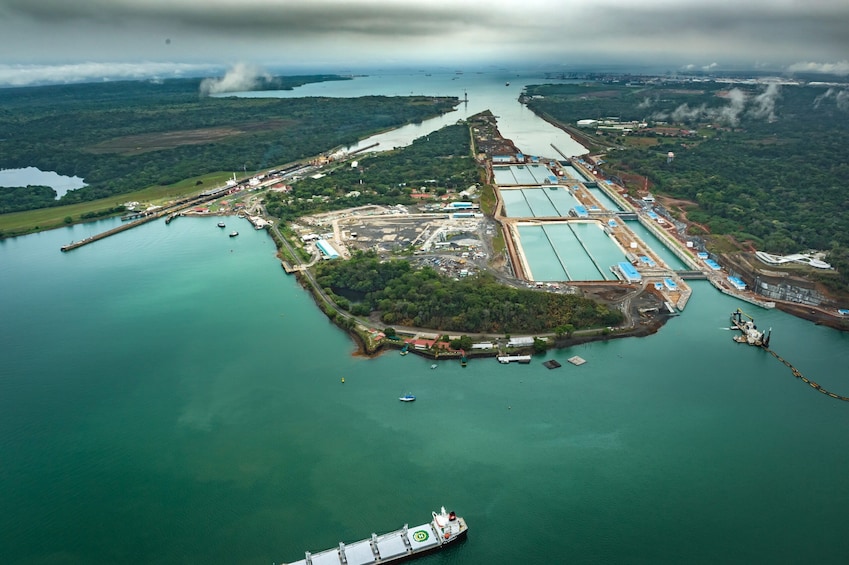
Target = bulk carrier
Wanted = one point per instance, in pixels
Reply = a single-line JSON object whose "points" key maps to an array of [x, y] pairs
{"points": [[407, 543]]}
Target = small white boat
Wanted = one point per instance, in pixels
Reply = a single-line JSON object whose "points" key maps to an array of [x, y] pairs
{"points": [[409, 397], [222, 225], [433, 366], [234, 234]]}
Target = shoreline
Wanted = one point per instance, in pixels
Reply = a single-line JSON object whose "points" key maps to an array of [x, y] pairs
{"points": [[386, 346]]}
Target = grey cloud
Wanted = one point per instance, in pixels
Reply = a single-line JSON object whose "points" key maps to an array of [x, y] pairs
{"points": [[821, 28], [307, 18], [332, 31]]}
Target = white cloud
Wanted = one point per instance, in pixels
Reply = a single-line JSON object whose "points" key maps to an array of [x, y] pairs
{"points": [[840, 68], [761, 106], [25, 75], [764, 103]]}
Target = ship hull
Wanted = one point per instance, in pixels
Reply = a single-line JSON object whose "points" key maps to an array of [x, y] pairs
{"points": [[401, 545]]}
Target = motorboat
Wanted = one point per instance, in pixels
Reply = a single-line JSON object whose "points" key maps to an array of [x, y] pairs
{"points": [[409, 397], [234, 234]]}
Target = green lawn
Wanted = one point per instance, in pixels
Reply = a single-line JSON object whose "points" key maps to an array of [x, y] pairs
{"points": [[19, 223]]}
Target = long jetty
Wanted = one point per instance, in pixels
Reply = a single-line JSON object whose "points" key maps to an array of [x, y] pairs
{"points": [[171, 212], [123, 227]]}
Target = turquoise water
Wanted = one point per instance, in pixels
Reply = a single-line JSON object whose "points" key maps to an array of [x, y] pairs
{"points": [[537, 202], [562, 199], [656, 245], [577, 251], [606, 202], [572, 172], [568, 246], [601, 247], [541, 257], [515, 204], [169, 395], [540, 203]]}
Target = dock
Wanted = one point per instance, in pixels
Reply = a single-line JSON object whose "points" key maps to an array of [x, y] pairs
{"points": [[575, 360], [170, 212], [123, 227]]}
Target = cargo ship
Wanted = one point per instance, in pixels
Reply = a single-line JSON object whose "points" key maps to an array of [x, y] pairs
{"points": [[407, 543]]}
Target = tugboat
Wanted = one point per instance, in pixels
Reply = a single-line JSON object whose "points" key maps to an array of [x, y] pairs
{"points": [[234, 234], [406, 543]]}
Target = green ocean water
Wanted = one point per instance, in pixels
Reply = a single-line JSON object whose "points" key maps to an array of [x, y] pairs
{"points": [[169, 395]]}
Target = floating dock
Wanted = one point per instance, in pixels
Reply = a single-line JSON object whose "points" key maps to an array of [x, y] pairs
{"points": [[575, 360], [400, 545], [510, 358]]}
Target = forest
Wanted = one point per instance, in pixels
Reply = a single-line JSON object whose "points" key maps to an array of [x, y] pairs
{"points": [[764, 164], [437, 162], [127, 135], [406, 296]]}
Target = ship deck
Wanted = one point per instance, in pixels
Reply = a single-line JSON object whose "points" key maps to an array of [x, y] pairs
{"points": [[394, 546]]}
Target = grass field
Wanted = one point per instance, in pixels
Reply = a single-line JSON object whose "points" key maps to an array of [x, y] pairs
{"points": [[20, 223]]}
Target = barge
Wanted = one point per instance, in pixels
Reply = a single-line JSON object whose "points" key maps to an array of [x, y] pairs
{"points": [[749, 332], [407, 543], [504, 359]]}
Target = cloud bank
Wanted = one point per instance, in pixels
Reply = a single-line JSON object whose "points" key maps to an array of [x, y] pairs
{"points": [[840, 68], [377, 32], [27, 75]]}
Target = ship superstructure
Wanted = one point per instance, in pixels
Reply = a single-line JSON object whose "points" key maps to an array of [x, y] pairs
{"points": [[444, 529]]}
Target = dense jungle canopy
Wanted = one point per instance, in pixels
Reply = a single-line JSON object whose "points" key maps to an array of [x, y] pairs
{"points": [[765, 163], [124, 136], [407, 296]]}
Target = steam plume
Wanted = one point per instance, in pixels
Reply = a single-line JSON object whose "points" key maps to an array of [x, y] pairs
{"points": [[239, 77]]}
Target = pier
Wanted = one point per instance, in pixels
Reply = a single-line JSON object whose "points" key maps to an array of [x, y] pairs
{"points": [[172, 211], [97, 237]]}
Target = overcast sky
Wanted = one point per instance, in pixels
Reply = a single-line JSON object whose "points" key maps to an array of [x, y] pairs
{"points": [[166, 37]]}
